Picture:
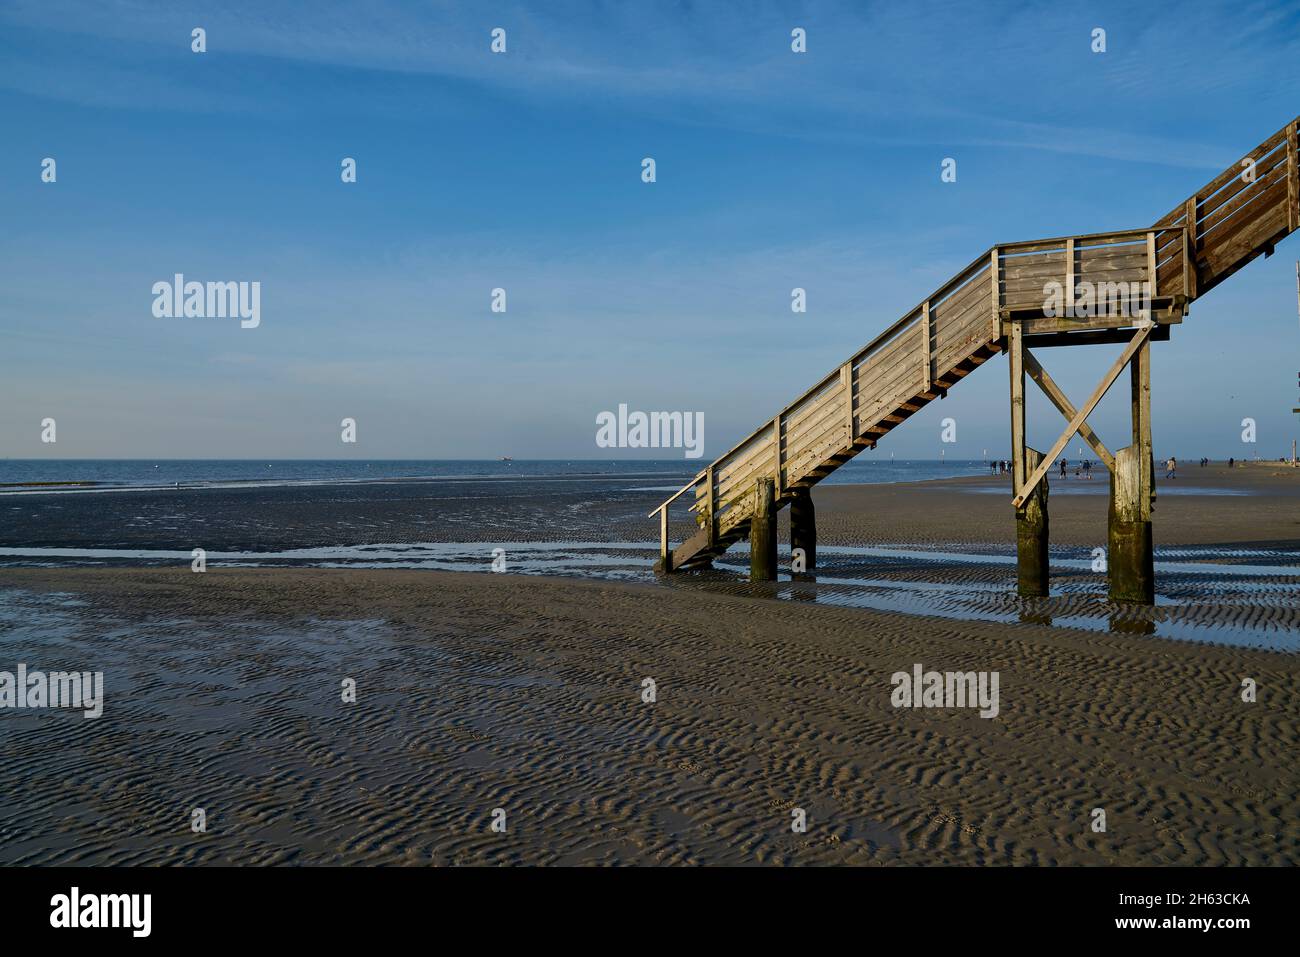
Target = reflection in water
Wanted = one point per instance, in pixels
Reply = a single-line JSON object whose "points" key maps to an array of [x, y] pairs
{"points": [[1034, 616], [1127, 624], [1202, 597], [803, 587], [1239, 596]]}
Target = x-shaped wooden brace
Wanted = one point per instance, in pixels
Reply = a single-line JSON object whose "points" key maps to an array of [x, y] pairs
{"points": [[1077, 419], [1053, 392]]}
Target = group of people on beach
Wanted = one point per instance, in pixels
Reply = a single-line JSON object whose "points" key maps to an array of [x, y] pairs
{"points": [[1082, 470]]}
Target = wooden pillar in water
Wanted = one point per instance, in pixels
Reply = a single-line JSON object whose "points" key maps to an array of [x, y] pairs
{"points": [[1130, 559], [665, 564], [1016, 365], [762, 533], [803, 527], [1032, 535], [1031, 517]]}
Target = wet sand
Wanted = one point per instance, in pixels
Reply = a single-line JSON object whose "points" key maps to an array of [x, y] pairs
{"points": [[478, 691], [1256, 503]]}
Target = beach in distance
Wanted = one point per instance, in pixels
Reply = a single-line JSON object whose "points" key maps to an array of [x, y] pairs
{"points": [[518, 696]]}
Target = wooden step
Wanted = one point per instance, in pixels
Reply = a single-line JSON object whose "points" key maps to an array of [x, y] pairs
{"points": [[697, 551]]}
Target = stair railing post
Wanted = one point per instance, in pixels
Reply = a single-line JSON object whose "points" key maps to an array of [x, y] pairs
{"points": [[927, 376], [713, 510], [846, 384], [995, 284], [778, 458], [1070, 278], [1292, 176], [665, 555], [1151, 274]]}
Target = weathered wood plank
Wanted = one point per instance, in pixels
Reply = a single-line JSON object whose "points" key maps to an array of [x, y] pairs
{"points": [[1243, 198], [809, 428], [1265, 166], [1242, 236]]}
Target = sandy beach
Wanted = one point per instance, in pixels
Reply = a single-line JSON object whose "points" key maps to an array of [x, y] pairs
{"points": [[478, 692], [1255, 502]]}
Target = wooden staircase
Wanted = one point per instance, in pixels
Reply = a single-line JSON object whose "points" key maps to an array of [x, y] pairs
{"points": [[1240, 214]]}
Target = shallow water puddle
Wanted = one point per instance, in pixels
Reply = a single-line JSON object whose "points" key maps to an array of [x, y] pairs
{"points": [[1238, 596], [1248, 605]]}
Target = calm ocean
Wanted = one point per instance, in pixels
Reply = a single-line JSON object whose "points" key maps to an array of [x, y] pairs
{"points": [[670, 474]]}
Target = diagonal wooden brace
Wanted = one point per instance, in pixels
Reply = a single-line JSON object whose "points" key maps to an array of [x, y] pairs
{"points": [[1067, 409], [1081, 416]]}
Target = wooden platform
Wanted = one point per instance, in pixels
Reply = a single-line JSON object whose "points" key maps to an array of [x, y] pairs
{"points": [[1072, 290]]}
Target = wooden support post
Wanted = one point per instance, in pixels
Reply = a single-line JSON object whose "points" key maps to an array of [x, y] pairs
{"points": [[1031, 514], [1130, 558], [1140, 380], [803, 528], [1016, 362], [1189, 249], [1032, 536], [762, 533], [1139, 372]]}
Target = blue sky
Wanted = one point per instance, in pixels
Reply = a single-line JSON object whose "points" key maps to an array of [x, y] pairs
{"points": [[522, 171]]}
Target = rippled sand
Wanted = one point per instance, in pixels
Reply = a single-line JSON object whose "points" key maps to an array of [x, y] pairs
{"points": [[481, 691]]}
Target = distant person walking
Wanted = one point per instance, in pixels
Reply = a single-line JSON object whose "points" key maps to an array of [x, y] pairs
{"points": [[1171, 468], [1087, 469], [1063, 464], [1230, 462]]}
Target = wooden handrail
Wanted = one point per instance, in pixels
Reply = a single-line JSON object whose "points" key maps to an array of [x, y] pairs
{"points": [[1085, 238], [678, 494]]}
